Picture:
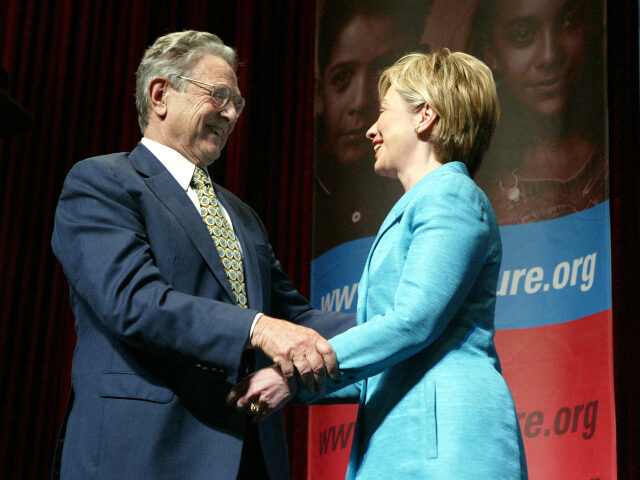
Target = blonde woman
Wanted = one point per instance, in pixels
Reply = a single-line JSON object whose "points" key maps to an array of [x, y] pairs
{"points": [[433, 403]]}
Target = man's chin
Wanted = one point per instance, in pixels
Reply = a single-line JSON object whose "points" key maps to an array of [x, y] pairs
{"points": [[207, 160], [210, 154]]}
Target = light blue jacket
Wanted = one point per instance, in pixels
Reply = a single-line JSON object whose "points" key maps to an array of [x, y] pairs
{"points": [[433, 403]]}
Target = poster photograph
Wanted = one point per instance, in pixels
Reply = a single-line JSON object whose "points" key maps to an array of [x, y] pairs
{"points": [[546, 174]]}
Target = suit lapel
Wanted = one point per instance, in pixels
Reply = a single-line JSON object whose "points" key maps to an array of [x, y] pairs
{"points": [[167, 190]]}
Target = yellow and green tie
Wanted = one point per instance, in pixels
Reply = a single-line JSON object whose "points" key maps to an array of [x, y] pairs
{"points": [[222, 234]]}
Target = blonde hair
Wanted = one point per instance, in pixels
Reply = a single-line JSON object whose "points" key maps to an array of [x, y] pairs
{"points": [[461, 91]]}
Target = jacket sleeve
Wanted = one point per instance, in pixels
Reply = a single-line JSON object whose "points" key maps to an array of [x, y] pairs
{"points": [[448, 244], [285, 301]]}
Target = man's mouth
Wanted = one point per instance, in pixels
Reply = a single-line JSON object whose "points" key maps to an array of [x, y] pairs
{"points": [[217, 130]]}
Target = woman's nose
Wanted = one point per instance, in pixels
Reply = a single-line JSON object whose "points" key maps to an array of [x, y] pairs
{"points": [[371, 133]]}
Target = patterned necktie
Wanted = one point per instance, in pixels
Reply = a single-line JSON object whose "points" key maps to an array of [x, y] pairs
{"points": [[222, 234]]}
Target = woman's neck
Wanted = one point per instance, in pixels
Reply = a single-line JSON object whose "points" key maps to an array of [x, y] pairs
{"points": [[416, 171]]}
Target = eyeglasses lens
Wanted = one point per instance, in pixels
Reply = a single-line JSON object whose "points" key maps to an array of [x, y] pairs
{"points": [[220, 95]]}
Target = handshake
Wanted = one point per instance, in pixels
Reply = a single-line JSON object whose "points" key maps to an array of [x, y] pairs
{"points": [[293, 348]]}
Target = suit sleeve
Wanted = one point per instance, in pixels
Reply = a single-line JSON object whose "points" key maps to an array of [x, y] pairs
{"points": [[100, 239], [286, 301], [448, 247]]}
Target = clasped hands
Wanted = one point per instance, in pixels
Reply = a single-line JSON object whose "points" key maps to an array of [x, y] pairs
{"points": [[293, 348]]}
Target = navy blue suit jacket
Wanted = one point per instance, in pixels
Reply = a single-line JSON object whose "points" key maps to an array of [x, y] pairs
{"points": [[159, 339]]}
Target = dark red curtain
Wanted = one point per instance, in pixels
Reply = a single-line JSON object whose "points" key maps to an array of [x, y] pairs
{"points": [[72, 66]]}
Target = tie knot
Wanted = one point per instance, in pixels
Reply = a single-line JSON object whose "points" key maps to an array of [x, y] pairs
{"points": [[200, 178]]}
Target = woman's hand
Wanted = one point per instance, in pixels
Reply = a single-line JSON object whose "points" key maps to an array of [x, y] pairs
{"points": [[262, 393]]}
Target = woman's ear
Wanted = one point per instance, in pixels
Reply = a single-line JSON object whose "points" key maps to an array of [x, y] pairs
{"points": [[157, 94], [428, 118]]}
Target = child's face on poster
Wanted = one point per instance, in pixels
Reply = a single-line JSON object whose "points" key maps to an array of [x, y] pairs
{"points": [[538, 46]]}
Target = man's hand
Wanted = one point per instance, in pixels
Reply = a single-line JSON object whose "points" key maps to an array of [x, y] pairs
{"points": [[293, 347], [267, 390]]}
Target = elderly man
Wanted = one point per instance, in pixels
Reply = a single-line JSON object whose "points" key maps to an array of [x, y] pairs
{"points": [[176, 292]]}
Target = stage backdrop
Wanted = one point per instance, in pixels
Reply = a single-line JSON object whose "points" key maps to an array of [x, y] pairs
{"points": [[546, 175]]}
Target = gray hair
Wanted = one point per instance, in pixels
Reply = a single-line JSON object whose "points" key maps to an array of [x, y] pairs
{"points": [[173, 55]]}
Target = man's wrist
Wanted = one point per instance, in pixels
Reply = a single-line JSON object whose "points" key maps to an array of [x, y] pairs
{"points": [[253, 326]]}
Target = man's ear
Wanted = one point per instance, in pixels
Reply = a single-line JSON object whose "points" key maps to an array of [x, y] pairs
{"points": [[428, 118], [157, 94]]}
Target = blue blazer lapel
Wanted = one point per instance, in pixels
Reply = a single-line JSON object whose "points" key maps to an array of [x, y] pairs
{"points": [[167, 190], [393, 216], [391, 219], [249, 258]]}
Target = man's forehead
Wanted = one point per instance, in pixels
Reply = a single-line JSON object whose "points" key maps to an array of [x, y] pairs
{"points": [[212, 68]]}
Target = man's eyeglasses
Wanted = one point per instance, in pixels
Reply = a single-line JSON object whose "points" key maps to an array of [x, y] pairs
{"points": [[220, 95]]}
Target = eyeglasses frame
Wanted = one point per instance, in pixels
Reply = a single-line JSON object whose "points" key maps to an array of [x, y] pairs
{"points": [[199, 82]]}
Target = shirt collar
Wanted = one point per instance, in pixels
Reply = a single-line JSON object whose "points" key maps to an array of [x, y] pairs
{"points": [[179, 167]]}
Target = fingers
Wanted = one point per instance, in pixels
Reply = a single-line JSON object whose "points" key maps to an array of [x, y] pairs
{"points": [[261, 393], [319, 372], [296, 348], [312, 371], [238, 396], [261, 412], [232, 397], [306, 372], [287, 367], [244, 403], [256, 411], [329, 359]]}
